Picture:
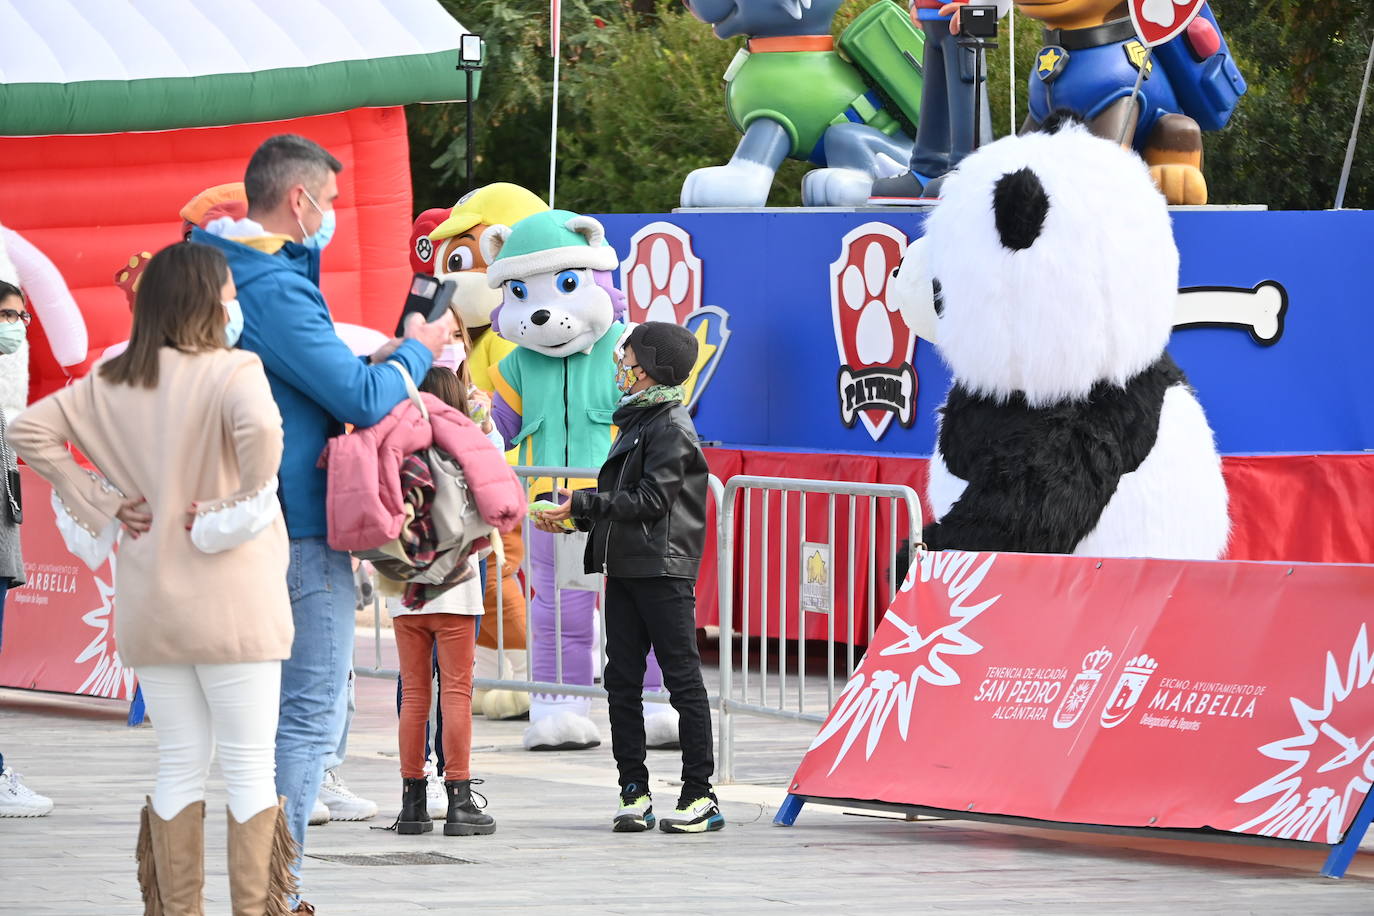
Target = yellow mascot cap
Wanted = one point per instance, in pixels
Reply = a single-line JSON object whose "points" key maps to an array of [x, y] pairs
{"points": [[501, 203]]}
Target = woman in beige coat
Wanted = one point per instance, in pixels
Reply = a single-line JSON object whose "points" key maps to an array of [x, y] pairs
{"points": [[186, 440]]}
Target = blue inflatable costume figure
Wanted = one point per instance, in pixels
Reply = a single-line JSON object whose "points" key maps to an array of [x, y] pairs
{"points": [[945, 135]]}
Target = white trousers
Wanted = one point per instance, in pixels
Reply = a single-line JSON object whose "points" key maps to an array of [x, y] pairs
{"points": [[200, 709]]}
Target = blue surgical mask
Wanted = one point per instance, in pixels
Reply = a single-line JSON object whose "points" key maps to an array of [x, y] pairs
{"points": [[233, 326], [322, 236], [12, 336], [324, 233]]}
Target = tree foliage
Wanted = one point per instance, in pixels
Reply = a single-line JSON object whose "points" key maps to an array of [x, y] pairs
{"points": [[642, 103]]}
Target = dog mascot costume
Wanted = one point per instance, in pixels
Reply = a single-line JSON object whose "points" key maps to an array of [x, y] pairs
{"points": [[555, 395], [1047, 279]]}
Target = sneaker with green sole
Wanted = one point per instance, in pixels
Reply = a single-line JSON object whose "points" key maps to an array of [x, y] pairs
{"points": [[696, 813], [636, 811]]}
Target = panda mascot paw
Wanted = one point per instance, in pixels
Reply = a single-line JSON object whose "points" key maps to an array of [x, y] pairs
{"points": [[660, 727], [1047, 279]]}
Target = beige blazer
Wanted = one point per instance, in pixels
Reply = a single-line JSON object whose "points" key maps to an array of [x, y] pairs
{"points": [[209, 433]]}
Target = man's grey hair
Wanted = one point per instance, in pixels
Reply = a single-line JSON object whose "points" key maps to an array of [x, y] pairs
{"points": [[281, 163]]}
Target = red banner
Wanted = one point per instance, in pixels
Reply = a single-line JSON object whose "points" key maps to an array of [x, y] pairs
{"points": [[1133, 693], [59, 626]]}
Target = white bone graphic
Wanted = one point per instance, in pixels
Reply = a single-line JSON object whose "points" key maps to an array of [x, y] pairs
{"points": [[1260, 310]]}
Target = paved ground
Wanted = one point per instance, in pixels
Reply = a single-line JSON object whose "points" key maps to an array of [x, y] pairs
{"points": [[553, 848]]}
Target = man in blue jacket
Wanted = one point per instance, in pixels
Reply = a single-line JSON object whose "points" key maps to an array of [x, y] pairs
{"points": [[291, 184]]}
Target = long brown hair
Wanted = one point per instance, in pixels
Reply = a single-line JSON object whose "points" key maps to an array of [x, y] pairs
{"points": [[447, 387], [178, 305]]}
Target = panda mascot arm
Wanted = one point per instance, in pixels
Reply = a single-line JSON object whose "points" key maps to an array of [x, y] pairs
{"points": [[1053, 469]]}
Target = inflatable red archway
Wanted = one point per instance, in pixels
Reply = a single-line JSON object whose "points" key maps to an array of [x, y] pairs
{"points": [[89, 202]]}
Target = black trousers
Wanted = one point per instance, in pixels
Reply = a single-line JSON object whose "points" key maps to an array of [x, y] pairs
{"points": [[658, 612]]}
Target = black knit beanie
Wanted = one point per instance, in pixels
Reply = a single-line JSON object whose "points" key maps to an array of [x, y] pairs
{"points": [[666, 352]]}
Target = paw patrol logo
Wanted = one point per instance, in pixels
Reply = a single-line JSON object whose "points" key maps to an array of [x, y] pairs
{"points": [[876, 379], [662, 280], [1158, 21], [424, 248]]}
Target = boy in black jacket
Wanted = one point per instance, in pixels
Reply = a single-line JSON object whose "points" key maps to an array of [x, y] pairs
{"points": [[647, 519]]}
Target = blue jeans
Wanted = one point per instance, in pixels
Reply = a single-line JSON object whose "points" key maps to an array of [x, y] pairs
{"points": [[314, 680]]}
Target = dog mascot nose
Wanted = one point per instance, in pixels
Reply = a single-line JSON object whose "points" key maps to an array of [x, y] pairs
{"points": [[540, 317]]}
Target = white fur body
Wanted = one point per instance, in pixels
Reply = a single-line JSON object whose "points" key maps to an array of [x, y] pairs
{"points": [[1091, 299]]}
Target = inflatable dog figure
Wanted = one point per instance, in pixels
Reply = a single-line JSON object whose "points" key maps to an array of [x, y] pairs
{"points": [[555, 396], [793, 95], [1068, 428]]}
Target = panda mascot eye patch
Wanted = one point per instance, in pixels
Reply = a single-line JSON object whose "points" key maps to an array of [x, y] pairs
{"points": [[1019, 204]]}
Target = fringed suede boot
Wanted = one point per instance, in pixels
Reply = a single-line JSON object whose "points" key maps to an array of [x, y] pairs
{"points": [[171, 861], [261, 851]]}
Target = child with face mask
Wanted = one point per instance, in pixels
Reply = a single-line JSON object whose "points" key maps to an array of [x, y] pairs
{"points": [[186, 440], [647, 519]]}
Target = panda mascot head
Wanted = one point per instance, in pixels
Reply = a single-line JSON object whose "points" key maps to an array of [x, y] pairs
{"points": [[1047, 279]]}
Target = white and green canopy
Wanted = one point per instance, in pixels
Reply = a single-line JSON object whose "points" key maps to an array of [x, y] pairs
{"points": [[109, 66]]}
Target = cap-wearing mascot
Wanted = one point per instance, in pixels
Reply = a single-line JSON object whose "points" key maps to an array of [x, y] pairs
{"points": [[555, 396]]}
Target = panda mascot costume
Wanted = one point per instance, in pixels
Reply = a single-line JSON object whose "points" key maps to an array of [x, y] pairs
{"points": [[1047, 280]]}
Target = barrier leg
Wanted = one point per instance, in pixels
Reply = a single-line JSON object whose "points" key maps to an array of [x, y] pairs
{"points": [[787, 814], [1343, 852]]}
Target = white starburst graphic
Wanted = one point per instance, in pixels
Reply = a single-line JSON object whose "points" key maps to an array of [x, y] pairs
{"points": [[109, 677], [870, 702], [1330, 765]]}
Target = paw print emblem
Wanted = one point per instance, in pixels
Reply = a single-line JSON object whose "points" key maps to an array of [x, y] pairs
{"points": [[424, 248], [877, 381], [662, 275], [1158, 21], [663, 280]]}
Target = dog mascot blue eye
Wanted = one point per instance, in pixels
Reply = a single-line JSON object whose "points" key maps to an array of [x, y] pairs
{"points": [[567, 281], [519, 290]]}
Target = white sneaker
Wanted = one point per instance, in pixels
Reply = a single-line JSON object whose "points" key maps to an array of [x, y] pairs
{"points": [[18, 800], [436, 797], [342, 803], [318, 814]]}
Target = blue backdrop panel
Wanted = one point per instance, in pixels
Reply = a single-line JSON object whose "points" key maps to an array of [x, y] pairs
{"points": [[776, 385]]}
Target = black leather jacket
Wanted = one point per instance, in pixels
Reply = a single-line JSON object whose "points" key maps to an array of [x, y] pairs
{"points": [[647, 516]]}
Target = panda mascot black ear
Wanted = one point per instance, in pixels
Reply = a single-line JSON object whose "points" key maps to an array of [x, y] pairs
{"points": [[1019, 204], [1058, 119]]}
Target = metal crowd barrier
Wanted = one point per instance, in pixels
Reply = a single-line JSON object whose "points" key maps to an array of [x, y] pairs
{"points": [[528, 475], [755, 681], [787, 558]]}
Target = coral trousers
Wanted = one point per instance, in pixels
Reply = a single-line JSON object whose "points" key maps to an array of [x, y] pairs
{"points": [[416, 637]]}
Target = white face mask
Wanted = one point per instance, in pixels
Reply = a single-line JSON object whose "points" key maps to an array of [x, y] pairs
{"points": [[233, 324], [12, 336]]}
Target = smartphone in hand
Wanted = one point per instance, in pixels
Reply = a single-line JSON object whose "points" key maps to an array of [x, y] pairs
{"points": [[428, 297]]}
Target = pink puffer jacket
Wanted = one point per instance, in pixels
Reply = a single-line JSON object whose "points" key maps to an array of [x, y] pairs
{"points": [[364, 504]]}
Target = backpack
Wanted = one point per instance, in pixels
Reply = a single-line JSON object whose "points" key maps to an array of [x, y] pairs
{"points": [[1204, 75]]}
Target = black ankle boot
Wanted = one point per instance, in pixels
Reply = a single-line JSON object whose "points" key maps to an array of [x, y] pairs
{"points": [[464, 817], [414, 817]]}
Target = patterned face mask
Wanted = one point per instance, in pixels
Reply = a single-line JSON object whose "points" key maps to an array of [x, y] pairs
{"points": [[625, 377]]}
